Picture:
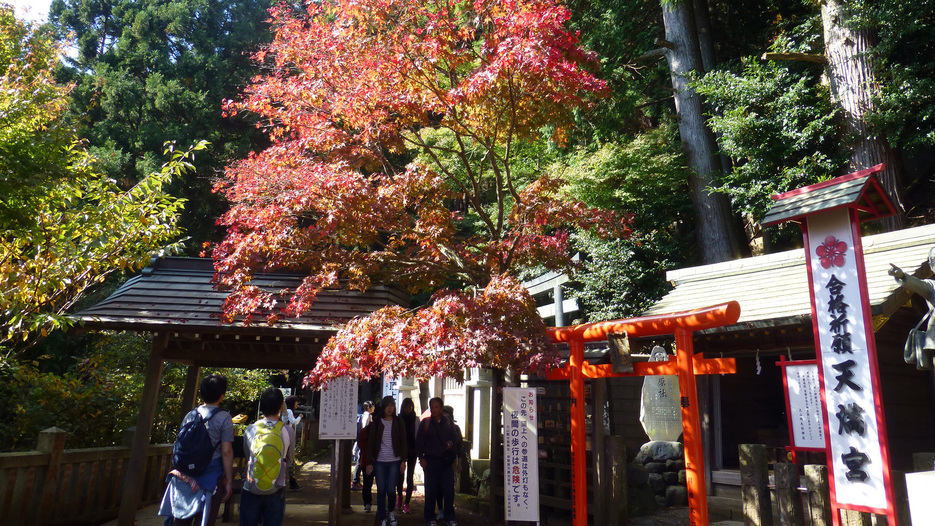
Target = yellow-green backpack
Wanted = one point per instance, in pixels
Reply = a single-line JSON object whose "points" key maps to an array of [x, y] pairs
{"points": [[265, 469]]}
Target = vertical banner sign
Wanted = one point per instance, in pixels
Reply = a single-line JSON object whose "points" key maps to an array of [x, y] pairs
{"points": [[804, 395], [847, 360], [338, 415], [520, 454], [391, 388]]}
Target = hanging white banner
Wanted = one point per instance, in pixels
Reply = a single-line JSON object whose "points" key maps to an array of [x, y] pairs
{"points": [[520, 454], [338, 414], [856, 455]]}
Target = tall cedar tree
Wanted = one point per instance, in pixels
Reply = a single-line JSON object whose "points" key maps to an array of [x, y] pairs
{"points": [[355, 91]]}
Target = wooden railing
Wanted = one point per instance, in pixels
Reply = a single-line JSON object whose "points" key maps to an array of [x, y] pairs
{"points": [[54, 485]]}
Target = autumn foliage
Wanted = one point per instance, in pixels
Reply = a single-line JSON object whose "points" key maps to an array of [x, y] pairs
{"points": [[394, 128]]}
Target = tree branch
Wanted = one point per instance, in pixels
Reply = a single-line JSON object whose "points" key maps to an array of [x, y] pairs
{"points": [[798, 57]]}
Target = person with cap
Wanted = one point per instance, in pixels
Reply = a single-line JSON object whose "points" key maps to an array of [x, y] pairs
{"points": [[386, 454]]}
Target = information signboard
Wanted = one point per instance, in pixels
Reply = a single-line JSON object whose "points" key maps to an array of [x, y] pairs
{"points": [[520, 454], [803, 391], [338, 415]]}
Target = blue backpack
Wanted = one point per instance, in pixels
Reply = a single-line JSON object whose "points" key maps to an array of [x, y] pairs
{"points": [[193, 447]]}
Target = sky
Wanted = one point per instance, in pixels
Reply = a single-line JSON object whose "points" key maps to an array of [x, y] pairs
{"points": [[33, 10]]}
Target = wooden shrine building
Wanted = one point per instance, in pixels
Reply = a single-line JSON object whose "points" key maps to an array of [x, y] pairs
{"points": [[176, 301], [775, 321]]}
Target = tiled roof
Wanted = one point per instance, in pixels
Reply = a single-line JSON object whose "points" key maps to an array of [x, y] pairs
{"points": [[773, 289], [179, 293], [176, 296]]}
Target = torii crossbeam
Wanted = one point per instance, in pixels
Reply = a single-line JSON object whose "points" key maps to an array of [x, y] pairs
{"points": [[684, 364]]}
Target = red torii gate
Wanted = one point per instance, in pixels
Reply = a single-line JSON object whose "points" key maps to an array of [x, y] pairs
{"points": [[684, 364]]}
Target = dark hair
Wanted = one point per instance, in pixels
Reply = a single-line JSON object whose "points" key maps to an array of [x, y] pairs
{"points": [[407, 402], [271, 401], [367, 405], [291, 402], [213, 388], [439, 400], [387, 400]]}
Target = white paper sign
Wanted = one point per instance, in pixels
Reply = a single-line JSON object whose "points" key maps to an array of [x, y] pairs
{"points": [[520, 454], [805, 405], [338, 415], [856, 455]]}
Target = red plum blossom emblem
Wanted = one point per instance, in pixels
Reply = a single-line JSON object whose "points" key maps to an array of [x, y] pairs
{"points": [[831, 252]]}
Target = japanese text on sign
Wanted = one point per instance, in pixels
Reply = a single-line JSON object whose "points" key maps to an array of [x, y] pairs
{"points": [[805, 406], [855, 457], [520, 454], [338, 415]]}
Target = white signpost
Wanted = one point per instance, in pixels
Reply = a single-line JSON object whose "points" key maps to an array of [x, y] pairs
{"points": [[520, 454], [851, 392], [830, 213], [338, 415]]}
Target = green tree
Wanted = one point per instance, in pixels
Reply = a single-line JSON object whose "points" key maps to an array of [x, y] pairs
{"points": [[151, 71], [778, 125], [95, 397], [645, 178], [64, 226]]}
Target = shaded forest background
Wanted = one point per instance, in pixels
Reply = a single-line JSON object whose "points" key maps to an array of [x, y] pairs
{"points": [[126, 77]]}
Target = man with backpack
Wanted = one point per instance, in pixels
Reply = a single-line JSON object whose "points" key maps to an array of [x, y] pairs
{"points": [[266, 445], [202, 460]]}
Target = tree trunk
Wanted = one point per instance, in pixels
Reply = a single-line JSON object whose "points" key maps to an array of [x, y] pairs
{"points": [[853, 82], [714, 230], [708, 57]]}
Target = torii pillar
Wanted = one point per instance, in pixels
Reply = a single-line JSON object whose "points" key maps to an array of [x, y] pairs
{"points": [[685, 364]]}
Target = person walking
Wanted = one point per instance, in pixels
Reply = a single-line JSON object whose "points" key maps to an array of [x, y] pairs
{"points": [[292, 422], [363, 420], [438, 446], [266, 444], [448, 412], [367, 488], [410, 419], [386, 448], [192, 496]]}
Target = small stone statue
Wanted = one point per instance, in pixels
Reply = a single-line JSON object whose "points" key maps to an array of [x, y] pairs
{"points": [[920, 345]]}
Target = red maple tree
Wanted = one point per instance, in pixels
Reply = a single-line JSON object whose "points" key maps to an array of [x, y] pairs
{"points": [[394, 126]]}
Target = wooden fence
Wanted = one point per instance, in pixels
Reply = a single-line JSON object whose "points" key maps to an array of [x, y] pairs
{"points": [[54, 485]]}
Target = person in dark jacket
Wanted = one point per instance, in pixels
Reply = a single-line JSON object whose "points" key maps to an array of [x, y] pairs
{"points": [[438, 446], [410, 418], [386, 454], [367, 488]]}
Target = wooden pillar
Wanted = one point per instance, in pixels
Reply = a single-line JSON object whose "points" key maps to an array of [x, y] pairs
{"points": [[787, 494], [819, 494], [598, 394], [616, 490], [190, 392], [345, 468], [855, 518], [338, 478], [136, 466], [754, 477], [691, 430], [497, 497], [923, 461], [51, 441]]}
